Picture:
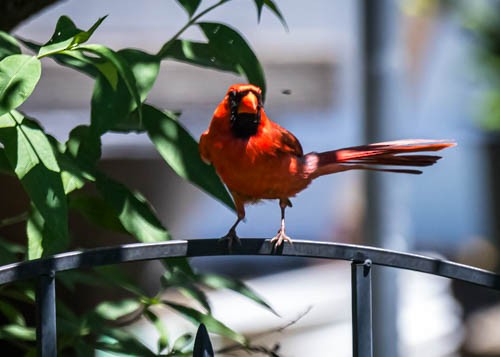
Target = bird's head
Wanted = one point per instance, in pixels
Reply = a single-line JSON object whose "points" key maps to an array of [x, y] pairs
{"points": [[245, 105]]}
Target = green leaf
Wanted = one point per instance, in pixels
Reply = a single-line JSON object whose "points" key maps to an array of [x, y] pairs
{"points": [[160, 328], [37, 140], [112, 275], [42, 239], [134, 212], [120, 341], [220, 282], [121, 66], [20, 292], [180, 151], [231, 46], [71, 59], [73, 333], [71, 278], [25, 144], [200, 54], [182, 342], [109, 72], [184, 283], [19, 151], [190, 6], [19, 74], [67, 36], [195, 293], [62, 37], [9, 252], [17, 332], [84, 145], [259, 4], [30, 352], [8, 45], [30, 153], [84, 36], [5, 167], [187, 353], [112, 106], [89, 65], [109, 106], [8, 121], [71, 181], [128, 124], [145, 68], [11, 313], [226, 50], [212, 324], [271, 6], [83, 349], [114, 310], [178, 266], [73, 176], [62, 309], [97, 211]]}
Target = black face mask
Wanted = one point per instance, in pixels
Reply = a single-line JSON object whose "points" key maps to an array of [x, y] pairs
{"points": [[243, 125]]}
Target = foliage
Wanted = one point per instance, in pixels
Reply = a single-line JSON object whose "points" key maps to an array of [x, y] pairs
{"points": [[53, 174], [481, 19]]}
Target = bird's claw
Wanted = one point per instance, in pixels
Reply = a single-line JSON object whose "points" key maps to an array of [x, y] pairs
{"points": [[279, 238], [230, 238]]}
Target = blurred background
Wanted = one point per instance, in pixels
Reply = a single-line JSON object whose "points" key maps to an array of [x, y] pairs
{"points": [[436, 69]]}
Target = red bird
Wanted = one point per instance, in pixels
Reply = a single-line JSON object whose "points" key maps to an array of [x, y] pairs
{"points": [[258, 159]]}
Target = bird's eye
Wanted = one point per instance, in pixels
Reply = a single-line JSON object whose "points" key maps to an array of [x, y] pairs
{"points": [[233, 99]]}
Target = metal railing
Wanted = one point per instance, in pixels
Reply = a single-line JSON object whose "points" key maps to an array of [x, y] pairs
{"points": [[362, 258]]}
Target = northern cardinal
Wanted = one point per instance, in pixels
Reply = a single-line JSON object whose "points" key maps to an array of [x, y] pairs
{"points": [[258, 159]]}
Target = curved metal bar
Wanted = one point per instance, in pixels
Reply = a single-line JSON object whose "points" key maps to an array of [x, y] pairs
{"points": [[249, 246]]}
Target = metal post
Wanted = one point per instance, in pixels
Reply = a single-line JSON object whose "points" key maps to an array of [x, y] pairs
{"points": [[382, 101], [46, 316], [361, 288]]}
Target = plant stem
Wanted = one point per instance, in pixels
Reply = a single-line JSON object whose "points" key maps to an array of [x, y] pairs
{"points": [[14, 220], [166, 46]]}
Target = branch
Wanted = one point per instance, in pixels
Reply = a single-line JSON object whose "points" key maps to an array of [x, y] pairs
{"points": [[16, 11], [269, 351], [193, 20]]}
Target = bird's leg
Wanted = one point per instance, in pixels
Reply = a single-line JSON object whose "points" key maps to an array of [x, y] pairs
{"points": [[281, 236], [231, 236]]}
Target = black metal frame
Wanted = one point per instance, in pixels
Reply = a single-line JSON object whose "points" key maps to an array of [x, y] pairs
{"points": [[362, 258]]}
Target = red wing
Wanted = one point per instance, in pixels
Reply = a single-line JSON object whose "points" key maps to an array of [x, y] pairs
{"points": [[288, 143]]}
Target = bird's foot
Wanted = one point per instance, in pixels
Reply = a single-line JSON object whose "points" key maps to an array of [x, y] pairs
{"points": [[280, 238], [229, 239]]}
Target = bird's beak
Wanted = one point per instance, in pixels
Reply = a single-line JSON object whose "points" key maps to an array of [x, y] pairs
{"points": [[249, 104]]}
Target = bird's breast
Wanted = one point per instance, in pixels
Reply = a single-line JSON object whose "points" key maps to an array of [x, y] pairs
{"points": [[257, 169]]}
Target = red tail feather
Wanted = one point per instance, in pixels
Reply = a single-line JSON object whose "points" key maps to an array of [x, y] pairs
{"points": [[391, 153]]}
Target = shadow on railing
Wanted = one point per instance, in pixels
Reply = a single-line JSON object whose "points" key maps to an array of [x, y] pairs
{"points": [[362, 258]]}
